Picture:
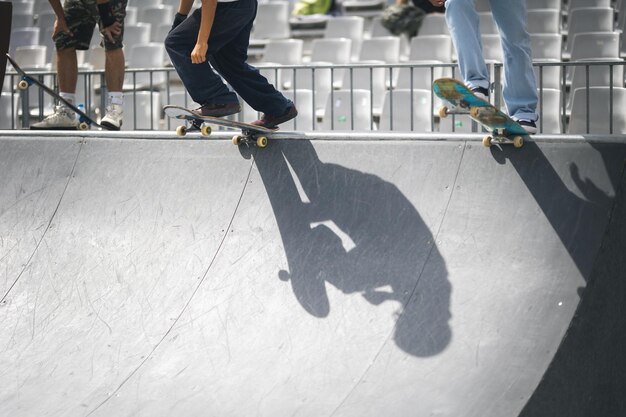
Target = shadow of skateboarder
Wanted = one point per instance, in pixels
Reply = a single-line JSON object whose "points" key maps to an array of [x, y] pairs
{"points": [[359, 233]]}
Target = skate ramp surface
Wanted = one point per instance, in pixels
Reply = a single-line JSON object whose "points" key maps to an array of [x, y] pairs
{"points": [[159, 277]]}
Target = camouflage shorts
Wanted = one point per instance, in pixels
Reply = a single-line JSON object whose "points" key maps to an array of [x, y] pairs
{"points": [[82, 16]]}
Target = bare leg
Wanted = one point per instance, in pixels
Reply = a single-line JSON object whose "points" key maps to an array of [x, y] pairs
{"points": [[67, 70], [114, 69]]}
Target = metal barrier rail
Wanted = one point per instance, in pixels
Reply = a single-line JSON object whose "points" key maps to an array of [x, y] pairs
{"points": [[351, 77]]}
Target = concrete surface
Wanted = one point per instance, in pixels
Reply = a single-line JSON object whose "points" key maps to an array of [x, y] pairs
{"points": [[142, 275]]}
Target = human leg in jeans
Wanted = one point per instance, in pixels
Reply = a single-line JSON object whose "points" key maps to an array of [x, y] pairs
{"points": [[520, 88], [227, 52], [520, 94]]}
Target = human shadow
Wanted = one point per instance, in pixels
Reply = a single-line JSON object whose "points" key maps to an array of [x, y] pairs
{"points": [[579, 219], [359, 233], [586, 375]]}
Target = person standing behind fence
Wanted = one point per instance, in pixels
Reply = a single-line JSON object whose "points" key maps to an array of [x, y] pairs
{"points": [[520, 88], [219, 32], [73, 29]]}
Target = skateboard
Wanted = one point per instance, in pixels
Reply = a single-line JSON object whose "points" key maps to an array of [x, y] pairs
{"points": [[249, 133], [6, 14], [504, 130], [84, 120]]}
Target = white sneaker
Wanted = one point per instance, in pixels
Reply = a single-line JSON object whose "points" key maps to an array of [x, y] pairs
{"points": [[63, 118], [529, 126], [481, 93], [113, 117]]}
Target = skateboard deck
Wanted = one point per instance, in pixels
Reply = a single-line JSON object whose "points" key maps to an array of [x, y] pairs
{"points": [[249, 133], [502, 128], [6, 14], [84, 120]]}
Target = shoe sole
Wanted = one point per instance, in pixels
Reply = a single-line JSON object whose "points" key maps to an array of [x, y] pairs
{"points": [[55, 128], [230, 113], [110, 126], [275, 125]]}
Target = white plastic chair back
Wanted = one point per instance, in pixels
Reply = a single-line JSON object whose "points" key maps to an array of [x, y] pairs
{"points": [[598, 113], [348, 110], [406, 111]]}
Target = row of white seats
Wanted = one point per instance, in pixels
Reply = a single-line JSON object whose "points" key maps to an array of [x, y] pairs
{"points": [[273, 16], [155, 28], [273, 20]]}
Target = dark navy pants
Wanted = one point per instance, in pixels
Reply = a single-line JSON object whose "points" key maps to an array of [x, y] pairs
{"points": [[227, 53]]}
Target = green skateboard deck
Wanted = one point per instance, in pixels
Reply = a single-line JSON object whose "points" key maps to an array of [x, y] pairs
{"points": [[502, 128]]}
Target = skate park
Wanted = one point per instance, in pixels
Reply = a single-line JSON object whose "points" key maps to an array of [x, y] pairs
{"points": [[145, 274], [363, 264]]}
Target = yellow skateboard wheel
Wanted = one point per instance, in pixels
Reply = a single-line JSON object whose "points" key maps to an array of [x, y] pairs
{"points": [[205, 130], [181, 130]]}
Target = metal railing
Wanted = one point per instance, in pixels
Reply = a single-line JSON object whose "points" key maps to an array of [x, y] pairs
{"points": [[148, 89]]}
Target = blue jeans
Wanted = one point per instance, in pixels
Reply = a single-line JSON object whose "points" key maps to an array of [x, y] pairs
{"points": [[520, 88], [227, 53]]}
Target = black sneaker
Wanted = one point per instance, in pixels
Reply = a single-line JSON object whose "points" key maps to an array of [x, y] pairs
{"points": [[218, 110], [482, 93], [272, 122], [529, 126]]}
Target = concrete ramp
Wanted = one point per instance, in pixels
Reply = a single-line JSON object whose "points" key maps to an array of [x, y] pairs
{"points": [[144, 276]]}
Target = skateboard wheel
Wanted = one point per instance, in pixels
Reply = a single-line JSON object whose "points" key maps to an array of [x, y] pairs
{"points": [[181, 130], [487, 141], [205, 130], [518, 141], [236, 140], [22, 85], [474, 112], [261, 142], [443, 112], [83, 125]]}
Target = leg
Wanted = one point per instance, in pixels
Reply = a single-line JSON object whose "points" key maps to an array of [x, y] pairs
{"points": [[114, 69], [114, 75], [520, 88], [67, 70], [114, 55], [463, 23], [204, 86], [247, 81], [80, 23], [6, 15]]}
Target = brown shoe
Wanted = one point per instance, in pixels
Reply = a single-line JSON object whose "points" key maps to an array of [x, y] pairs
{"points": [[218, 110], [272, 122]]}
